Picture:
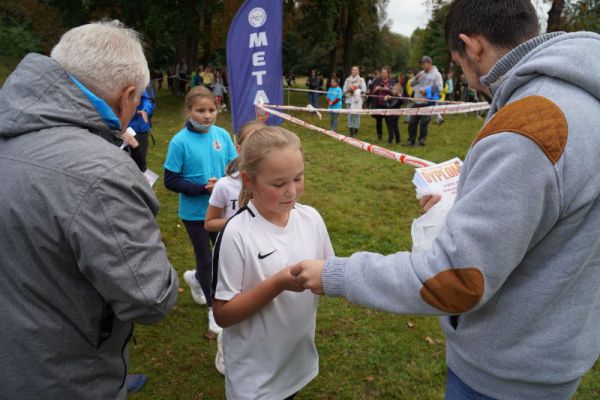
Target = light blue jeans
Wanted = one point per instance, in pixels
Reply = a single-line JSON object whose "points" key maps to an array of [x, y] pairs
{"points": [[456, 389], [354, 121]]}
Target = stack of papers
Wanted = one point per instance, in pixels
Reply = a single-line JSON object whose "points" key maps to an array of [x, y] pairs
{"points": [[438, 179]]}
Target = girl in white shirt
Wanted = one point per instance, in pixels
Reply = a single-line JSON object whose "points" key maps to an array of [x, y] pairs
{"points": [[224, 199], [268, 320]]}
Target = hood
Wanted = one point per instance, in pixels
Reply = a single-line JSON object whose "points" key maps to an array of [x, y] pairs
{"points": [[570, 57], [40, 95]]}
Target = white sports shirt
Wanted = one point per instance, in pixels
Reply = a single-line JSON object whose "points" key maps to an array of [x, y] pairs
{"points": [[226, 193], [272, 354]]}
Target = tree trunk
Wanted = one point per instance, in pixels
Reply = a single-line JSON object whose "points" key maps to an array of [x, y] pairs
{"points": [[348, 39], [554, 15]]}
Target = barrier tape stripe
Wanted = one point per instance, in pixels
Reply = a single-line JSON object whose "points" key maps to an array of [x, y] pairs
{"points": [[371, 148], [443, 109], [374, 96]]}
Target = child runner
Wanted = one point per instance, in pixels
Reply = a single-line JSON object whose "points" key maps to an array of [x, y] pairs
{"points": [[269, 332], [224, 199], [334, 100], [197, 156], [223, 204]]}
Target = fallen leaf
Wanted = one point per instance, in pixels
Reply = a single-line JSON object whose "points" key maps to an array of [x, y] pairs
{"points": [[429, 340], [410, 325], [181, 290]]}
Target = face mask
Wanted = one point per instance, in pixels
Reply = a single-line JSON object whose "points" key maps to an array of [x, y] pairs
{"points": [[198, 126]]}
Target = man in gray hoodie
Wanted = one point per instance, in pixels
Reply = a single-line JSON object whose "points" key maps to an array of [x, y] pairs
{"points": [[515, 275], [429, 80], [81, 255]]}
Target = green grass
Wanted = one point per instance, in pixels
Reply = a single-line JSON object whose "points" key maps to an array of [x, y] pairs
{"points": [[368, 204]]}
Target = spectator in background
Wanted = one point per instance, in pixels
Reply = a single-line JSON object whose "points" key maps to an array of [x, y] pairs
{"points": [[334, 101], [354, 89], [219, 91], [381, 88], [207, 77], [290, 78], [426, 79], [181, 71], [141, 123], [394, 102], [195, 78], [314, 82], [81, 255]]}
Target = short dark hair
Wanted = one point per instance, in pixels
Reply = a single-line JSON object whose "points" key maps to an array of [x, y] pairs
{"points": [[504, 23]]}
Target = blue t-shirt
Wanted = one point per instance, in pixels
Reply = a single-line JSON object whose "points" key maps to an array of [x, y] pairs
{"points": [[335, 94], [199, 156]]}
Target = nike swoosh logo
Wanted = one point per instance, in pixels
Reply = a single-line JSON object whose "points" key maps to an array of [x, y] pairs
{"points": [[260, 256]]}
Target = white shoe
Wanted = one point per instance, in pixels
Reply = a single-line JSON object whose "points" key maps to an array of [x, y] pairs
{"points": [[219, 359], [190, 278], [212, 324]]}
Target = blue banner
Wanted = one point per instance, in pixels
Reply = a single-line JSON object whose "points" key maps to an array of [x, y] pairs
{"points": [[254, 59]]}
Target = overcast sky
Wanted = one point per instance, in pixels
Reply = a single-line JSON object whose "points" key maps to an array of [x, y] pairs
{"points": [[408, 15]]}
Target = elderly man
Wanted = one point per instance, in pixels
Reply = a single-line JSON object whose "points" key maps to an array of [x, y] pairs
{"points": [[515, 275], [81, 256], [427, 80]]}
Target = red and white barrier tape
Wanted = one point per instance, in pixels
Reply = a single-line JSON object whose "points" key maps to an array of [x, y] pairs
{"points": [[442, 109], [375, 96], [264, 110]]}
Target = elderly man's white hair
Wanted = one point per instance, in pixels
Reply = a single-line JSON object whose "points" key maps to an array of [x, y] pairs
{"points": [[105, 57]]}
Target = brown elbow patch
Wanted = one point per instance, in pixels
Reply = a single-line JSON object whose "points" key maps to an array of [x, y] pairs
{"points": [[454, 291], [536, 118]]}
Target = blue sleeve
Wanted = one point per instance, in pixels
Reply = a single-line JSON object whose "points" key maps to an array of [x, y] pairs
{"points": [[146, 104], [174, 181], [175, 155]]}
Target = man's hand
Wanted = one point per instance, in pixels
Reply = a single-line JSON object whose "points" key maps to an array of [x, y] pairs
{"points": [[211, 184], [308, 274], [130, 140], [426, 202], [144, 115]]}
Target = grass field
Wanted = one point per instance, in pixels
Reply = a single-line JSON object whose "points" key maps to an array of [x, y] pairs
{"points": [[368, 204]]}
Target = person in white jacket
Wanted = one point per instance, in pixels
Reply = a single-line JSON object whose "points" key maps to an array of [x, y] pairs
{"points": [[354, 88]]}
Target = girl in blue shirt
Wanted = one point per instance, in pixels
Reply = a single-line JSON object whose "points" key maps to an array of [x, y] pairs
{"points": [[198, 155]]}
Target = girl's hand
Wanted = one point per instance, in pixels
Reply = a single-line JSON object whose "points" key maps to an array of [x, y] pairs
{"points": [[288, 281], [308, 274], [211, 184]]}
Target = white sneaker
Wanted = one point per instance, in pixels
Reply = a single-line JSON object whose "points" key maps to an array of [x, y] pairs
{"points": [[190, 278], [212, 324], [219, 359]]}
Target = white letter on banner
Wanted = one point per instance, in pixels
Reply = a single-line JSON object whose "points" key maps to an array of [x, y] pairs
{"points": [[259, 75], [258, 39], [261, 97], [258, 59]]}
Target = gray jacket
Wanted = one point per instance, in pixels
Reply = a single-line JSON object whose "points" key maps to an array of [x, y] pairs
{"points": [[423, 80], [516, 272], [81, 255]]}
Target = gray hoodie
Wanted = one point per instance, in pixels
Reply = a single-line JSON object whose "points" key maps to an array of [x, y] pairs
{"points": [[81, 255], [424, 79], [516, 272]]}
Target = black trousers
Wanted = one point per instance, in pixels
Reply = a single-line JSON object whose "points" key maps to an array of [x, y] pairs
{"points": [[201, 241], [379, 125], [418, 120], [393, 129], [139, 154]]}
